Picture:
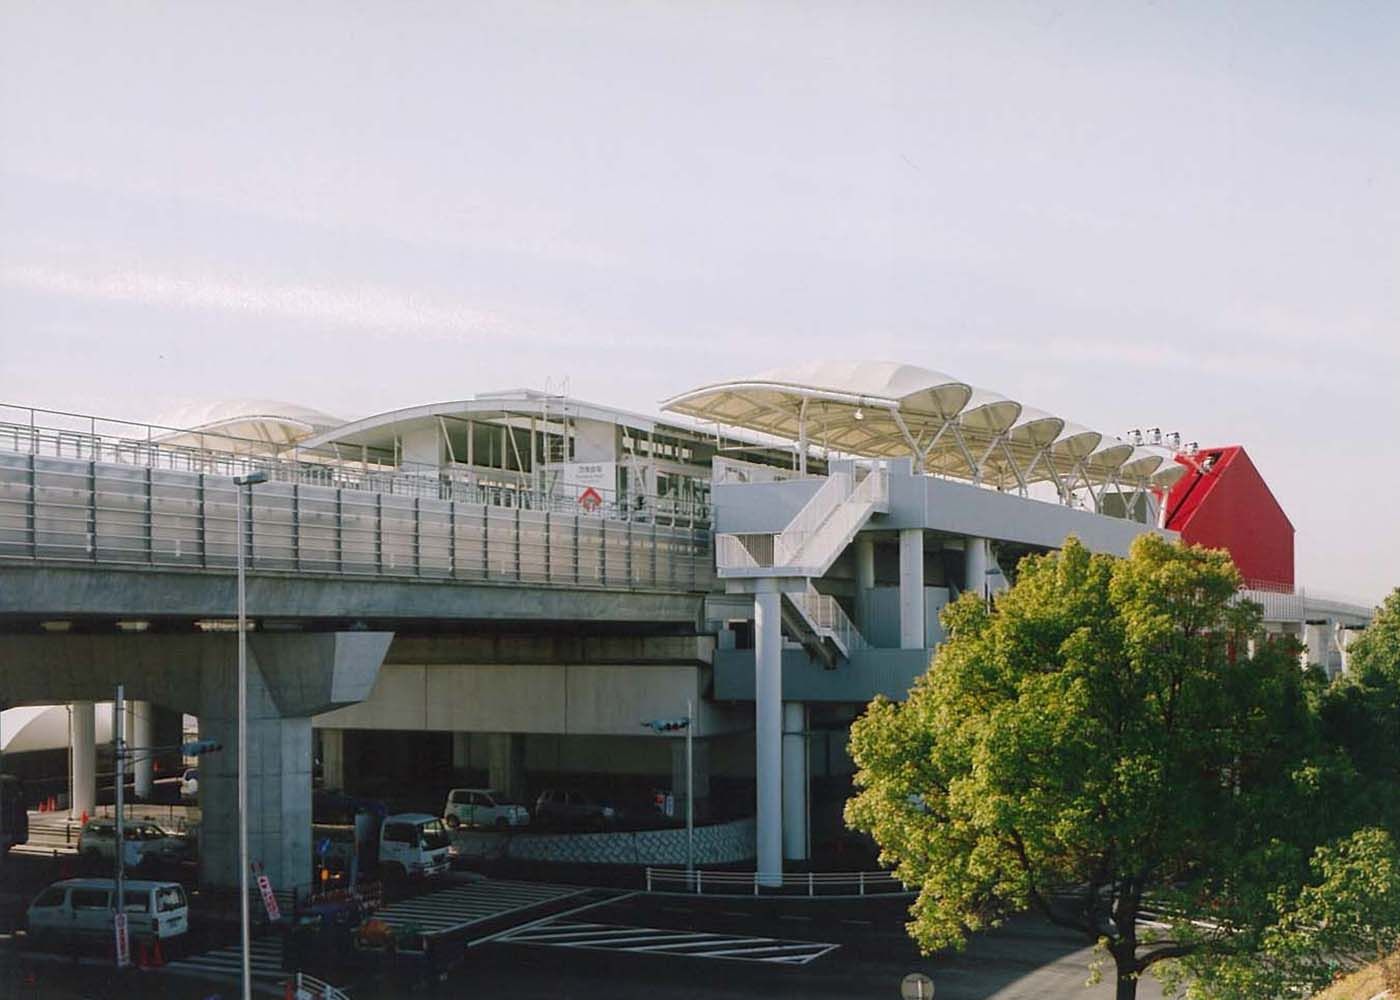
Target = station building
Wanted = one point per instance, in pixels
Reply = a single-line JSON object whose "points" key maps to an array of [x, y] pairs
{"points": [[765, 558]]}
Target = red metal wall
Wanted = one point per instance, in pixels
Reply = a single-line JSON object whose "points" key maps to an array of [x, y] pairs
{"points": [[1229, 506]]}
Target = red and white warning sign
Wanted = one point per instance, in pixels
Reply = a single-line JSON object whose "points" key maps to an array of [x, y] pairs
{"points": [[590, 500], [589, 483], [123, 940], [274, 912]]}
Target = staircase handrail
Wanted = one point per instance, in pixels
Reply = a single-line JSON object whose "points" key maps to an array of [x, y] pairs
{"points": [[829, 496], [846, 517], [826, 616], [736, 550]]}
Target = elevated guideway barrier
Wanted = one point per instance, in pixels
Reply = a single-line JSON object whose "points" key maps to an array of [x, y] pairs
{"points": [[72, 510]]}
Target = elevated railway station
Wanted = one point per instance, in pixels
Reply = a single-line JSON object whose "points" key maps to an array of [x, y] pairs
{"points": [[500, 589]]}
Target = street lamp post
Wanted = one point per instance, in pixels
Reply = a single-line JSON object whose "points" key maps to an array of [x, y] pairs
{"points": [[245, 486], [689, 785], [119, 766]]}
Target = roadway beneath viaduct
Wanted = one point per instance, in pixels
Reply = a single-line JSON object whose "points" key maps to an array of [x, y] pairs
{"points": [[320, 645]]}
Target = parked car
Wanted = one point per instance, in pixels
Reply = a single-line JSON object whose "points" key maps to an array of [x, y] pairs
{"points": [[573, 809], [146, 843], [189, 784], [81, 907], [483, 807]]}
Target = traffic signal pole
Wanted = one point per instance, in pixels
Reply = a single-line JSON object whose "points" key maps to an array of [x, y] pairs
{"points": [[689, 785]]}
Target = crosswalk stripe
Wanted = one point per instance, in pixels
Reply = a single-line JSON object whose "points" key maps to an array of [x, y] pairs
{"points": [[462, 906], [666, 941]]}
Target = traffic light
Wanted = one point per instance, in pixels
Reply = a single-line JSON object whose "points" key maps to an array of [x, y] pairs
{"points": [[667, 725], [197, 748]]}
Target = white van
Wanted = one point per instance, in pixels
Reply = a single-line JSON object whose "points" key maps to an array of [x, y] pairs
{"points": [[483, 807], [82, 907]]}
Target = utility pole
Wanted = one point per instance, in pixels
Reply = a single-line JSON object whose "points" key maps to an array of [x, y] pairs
{"points": [[248, 481], [119, 767], [689, 785]]}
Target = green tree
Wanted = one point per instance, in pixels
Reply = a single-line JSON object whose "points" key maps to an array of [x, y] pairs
{"points": [[1361, 714], [1111, 739]]}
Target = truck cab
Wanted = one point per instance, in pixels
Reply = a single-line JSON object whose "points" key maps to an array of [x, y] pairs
{"points": [[413, 845]]}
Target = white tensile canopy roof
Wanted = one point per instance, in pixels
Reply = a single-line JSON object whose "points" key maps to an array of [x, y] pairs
{"points": [[252, 422], [880, 409], [45, 727]]}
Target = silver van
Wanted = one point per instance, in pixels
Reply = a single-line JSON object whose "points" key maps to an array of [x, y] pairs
{"points": [[82, 907]]}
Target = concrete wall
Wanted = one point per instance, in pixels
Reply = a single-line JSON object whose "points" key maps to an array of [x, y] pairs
{"points": [[609, 699], [869, 672], [883, 628]]}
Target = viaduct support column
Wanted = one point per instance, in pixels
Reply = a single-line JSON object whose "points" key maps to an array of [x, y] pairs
{"points": [[506, 764], [290, 679], [333, 758], [461, 752], [865, 582], [911, 588], [794, 782], [279, 786], [975, 575], [84, 749], [138, 734], [768, 718], [1315, 643]]}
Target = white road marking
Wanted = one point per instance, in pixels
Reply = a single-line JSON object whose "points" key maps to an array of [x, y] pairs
{"points": [[667, 941], [462, 906]]}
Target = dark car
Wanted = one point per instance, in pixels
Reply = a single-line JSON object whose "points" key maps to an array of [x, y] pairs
{"points": [[571, 809]]}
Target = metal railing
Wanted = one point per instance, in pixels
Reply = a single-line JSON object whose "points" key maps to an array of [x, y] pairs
{"points": [[828, 619], [308, 987], [58, 434], [816, 534], [830, 885], [744, 551], [814, 513], [68, 510], [1285, 602], [824, 544]]}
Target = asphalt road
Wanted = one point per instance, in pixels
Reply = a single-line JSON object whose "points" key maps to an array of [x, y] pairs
{"points": [[643, 946], [649, 946]]}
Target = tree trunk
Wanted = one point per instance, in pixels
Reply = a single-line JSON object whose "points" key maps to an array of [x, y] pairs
{"points": [[1127, 987]]}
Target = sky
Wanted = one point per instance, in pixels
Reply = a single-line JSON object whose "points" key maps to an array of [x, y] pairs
{"points": [[1180, 215]]}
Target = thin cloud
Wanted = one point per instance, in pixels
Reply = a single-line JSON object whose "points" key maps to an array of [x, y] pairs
{"points": [[365, 307]]}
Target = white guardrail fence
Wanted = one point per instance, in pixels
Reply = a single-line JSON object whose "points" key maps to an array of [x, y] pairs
{"points": [[828, 885], [310, 988]]}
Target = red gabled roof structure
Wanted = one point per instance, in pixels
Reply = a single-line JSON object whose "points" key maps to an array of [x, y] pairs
{"points": [[1223, 503]]}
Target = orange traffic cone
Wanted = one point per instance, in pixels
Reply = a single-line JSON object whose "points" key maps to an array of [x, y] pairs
{"points": [[141, 953], [291, 991], [84, 818], [157, 959]]}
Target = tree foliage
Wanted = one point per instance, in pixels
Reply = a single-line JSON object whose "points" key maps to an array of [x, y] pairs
{"points": [[1115, 740]]}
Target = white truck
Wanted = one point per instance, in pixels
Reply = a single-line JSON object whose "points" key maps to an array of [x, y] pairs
{"points": [[395, 848]]}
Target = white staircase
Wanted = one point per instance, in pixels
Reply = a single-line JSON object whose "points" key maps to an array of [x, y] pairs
{"points": [[816, 535], [813, 540]]}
